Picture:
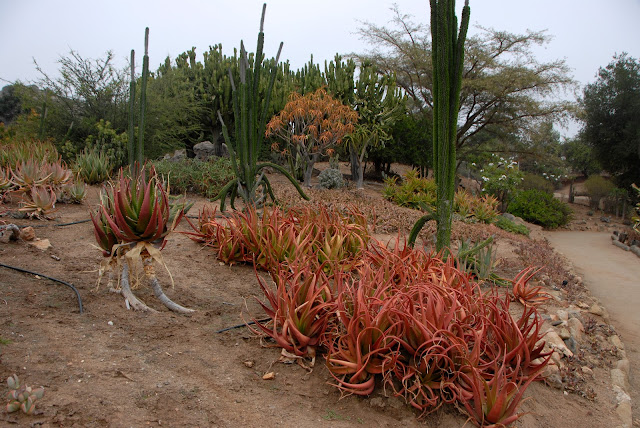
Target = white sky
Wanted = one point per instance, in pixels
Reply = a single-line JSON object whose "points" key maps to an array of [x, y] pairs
{"points": [[587, 33]]}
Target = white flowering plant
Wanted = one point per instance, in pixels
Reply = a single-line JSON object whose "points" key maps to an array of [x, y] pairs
{"points": [[500, 178]]}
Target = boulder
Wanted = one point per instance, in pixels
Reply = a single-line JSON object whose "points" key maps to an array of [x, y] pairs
{"points": [[204, 150], [177, 156]]}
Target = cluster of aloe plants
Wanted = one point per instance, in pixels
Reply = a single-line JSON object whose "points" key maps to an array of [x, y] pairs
{"points": [[131, 225], [22, 397], [40, 185], [274, 236], [385, 314], [420, 193]]}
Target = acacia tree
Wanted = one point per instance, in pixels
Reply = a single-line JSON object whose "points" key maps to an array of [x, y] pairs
{"points": [[309, 125], [611, 111], [379, 104], [504, 88]]}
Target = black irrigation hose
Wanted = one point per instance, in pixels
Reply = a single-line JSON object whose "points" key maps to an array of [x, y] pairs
{"points": [[61, 224], [242, 325], [49, 278]]}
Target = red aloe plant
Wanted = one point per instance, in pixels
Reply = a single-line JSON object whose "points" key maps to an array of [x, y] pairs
{"points": [[299, 308], [137, 214], [493, 403], [525, 294]]}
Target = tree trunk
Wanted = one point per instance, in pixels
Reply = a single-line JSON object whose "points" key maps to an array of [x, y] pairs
{"points": [[355, 162], [308, 172]]}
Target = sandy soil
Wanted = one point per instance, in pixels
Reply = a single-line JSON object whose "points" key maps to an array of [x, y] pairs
{"points": [[112, 367]]}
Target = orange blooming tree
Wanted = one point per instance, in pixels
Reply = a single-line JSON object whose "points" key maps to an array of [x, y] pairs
{"points": [[308, 126]]}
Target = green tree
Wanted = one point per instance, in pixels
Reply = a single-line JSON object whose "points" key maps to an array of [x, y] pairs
{"points": [[379, 104], [85, 91], [504, 88], [611, 110], [580, 156], [9, 104]]}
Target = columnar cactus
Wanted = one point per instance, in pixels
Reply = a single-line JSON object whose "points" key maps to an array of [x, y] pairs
{"points": [[447, 55]]}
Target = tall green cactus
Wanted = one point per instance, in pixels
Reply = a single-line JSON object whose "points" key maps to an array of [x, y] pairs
{"points": [[447, 56], [132, 105], [251, 112], [143, 98]]}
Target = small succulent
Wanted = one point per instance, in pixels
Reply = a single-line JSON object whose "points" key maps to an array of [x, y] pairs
{"points": [[58, 174], [29, 174], [22, 397], [73, 193], [93, 166], [39, 202]]}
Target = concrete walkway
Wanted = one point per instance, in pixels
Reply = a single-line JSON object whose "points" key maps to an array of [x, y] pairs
{"points": [[613, 276]]}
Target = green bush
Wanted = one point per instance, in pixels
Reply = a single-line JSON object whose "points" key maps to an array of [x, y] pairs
{"points": [[414, 192], [506, 224], [536, 206], [536, 182], [598, 188], [205, 178]]}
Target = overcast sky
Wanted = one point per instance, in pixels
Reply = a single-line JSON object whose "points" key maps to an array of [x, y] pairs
{"points": [[587, 33]]}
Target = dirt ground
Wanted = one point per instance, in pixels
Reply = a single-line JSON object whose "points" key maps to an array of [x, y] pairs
{"points": [[113, 367]]}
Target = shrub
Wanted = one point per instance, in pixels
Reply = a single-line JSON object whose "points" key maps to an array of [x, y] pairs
{"points": [[500, 179], [331, 178], [536, 182], [506, 224], [597, 188], [414, 192], [206, 178], [536, 206]]}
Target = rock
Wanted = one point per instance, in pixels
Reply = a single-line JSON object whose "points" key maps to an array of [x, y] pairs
{"points": [[269, 376], [587, 371], [605, 219], [204, 150], [618, 378], [572, 344], [564, 333], [177, 156], [562, 315], [41, 244], [557, 344], [249, 363], [27, 233], [596, 309], [615, 341], [635, 250], [509, 217], [583, 305], [207, 149], [624, 412], [552, 376], [621, 245], [623, 365], [576, 328], [9, 232]]}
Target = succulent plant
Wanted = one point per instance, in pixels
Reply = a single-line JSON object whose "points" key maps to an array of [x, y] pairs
{"points": [[105, 236], [93, 166], [73, 193], [28, 174], [39, 202], [22, 397], [58, 174], [331, 179]]}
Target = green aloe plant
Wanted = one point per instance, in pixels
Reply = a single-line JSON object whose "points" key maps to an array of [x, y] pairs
{"points": [[136, 213], [251, 112]]}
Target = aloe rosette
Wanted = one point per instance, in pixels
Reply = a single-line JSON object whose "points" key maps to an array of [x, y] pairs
{"points": [[133, 220]]}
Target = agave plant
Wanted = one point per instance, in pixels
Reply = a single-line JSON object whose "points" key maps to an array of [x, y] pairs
{"points": [[39, 202], [136, 212]]}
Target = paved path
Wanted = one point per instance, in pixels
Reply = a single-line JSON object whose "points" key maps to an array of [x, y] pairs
{"points": [[613, 276]]}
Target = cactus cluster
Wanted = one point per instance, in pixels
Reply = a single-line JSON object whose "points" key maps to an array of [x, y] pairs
{"points": [[330, 178], [22, 397]]}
